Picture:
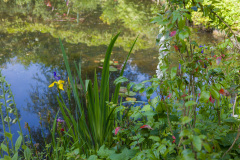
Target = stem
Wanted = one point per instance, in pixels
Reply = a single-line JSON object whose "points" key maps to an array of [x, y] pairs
{"points": [[218, 113], [169, 123], [235, 101]]}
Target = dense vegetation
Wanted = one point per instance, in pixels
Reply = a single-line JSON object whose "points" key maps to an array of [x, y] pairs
{"points": [[192, 110]]}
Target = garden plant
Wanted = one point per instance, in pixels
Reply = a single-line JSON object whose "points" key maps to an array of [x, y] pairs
{"points": [[192, 110]]}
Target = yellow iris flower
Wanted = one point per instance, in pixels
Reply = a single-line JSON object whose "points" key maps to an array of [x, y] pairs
{"points": [[59, 84]]}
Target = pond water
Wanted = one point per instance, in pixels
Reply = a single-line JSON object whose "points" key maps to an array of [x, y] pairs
{"points": [[30, 50]]}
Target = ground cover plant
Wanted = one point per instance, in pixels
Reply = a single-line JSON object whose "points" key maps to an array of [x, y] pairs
{"points": [[192, 110]]}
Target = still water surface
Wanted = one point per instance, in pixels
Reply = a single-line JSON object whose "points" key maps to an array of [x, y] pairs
{"points": [[30, 51]]}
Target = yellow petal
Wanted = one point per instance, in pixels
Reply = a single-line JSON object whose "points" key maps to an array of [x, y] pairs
{"points": [[60, 86], [51, 85], [60, 82]]}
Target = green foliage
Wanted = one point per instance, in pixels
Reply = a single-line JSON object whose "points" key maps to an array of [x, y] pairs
{"points": [[192, 110]]}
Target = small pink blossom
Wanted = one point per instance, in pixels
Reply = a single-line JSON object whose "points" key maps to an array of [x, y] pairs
{"points": [[116, 130], [169, 95], [146, 126], [173, 137], [173, 33], [218, 60]]}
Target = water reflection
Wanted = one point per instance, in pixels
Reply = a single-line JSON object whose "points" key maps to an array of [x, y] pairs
{"points": [[30, 49]]}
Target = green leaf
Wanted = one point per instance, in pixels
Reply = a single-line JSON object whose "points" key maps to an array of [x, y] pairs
{"points": [[120, 80], [218, 86], [24, 147], [27, 153], [197, 143], [204, 97], [130, 93], [125, 155], [231, 120], [186, 120], [155, 138], [15, 157], [93, 157], [173, 72], [183, 35], [129, 85], [137, 87], [147, 108], [185, 132], [9, 135], [207, 147], [214, 93], [18, 143], [104, 152], [7, 157], [4, 147], [190, 103]]}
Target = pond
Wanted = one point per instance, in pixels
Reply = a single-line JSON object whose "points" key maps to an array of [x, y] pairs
{"points": [[30, 50]]}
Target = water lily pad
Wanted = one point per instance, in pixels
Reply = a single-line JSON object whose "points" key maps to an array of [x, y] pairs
{"points": [[123, 89], [130, 99], [130, 93], [110, 62], [122, 95], [112, 69]]}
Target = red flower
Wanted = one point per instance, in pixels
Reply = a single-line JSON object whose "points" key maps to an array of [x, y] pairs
{"points": [[146, 126], [116, 130], [176, 48], [211, 99], [174, 141], [173, 33], [62, 129], [221, 91]]}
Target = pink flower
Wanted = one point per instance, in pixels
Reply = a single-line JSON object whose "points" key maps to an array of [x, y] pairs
{"points": [[211, 99], [169, 95], [173, 33], [146, 126], [173, 137], [116, 130], [218, 60]]}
